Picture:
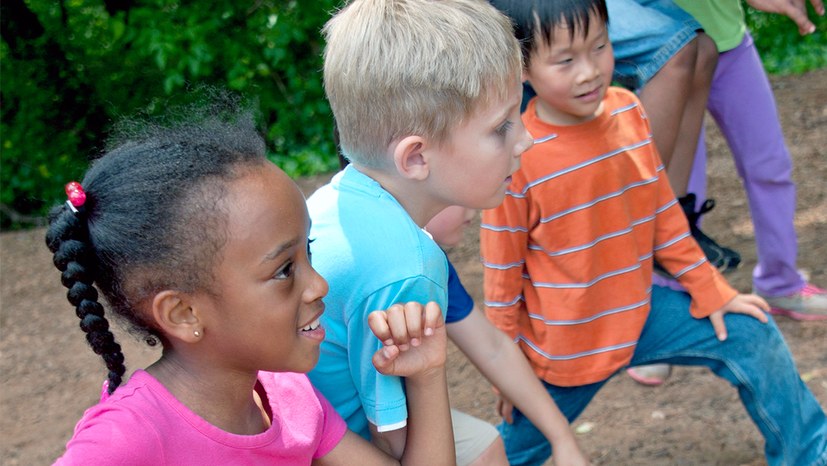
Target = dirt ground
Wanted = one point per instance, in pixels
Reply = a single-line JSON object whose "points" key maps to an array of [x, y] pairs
{"points": [[48, 375]]}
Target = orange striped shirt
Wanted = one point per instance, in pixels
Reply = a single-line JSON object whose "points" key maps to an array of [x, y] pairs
{"points": [[568, 255]]}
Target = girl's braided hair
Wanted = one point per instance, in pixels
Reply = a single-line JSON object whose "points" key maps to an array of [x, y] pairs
{"points": [[152, 219]]}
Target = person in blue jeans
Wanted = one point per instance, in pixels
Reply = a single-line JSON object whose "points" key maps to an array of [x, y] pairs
{"points": [[569, 49]]}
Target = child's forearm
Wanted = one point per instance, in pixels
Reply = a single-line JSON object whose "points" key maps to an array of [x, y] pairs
{"points": [[514, 378], [505, 366], [430, 437]]}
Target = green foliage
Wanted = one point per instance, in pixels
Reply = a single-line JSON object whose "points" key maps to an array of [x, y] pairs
{"points": [[72, 68], [782, 49]]}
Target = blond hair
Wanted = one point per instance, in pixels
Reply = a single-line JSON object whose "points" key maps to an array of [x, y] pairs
{"points": [[394, 68]]}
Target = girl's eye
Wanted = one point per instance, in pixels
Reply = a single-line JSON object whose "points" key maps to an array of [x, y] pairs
{"points": [[285, 271], [564, 61], [601, 46], [503, 129], [309, 253]]}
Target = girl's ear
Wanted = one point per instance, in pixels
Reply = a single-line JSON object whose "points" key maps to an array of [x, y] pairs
{"points": [[411, 158], [174, 314]]}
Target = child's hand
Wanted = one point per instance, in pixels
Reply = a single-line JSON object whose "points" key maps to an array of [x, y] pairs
{"points": [[413, 336], [749, 304]]}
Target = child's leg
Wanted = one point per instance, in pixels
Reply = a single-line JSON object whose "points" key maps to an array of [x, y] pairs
{"points": [[527, 446], [743, 105], [655, 53], [476, 441], [658, 52], [755, 359], [680, 165]]}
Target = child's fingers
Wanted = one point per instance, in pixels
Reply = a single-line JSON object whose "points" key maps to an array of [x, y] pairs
{"points": [[505, 409], [753, 311], [751, 305], [413, 318], [717, 319], [757, 301], [384, 358], [398, 326], [378, 323], [433, 318]]}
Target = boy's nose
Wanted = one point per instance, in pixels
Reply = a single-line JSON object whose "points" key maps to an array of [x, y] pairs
{"points": [[525, 144], [588, 71]]}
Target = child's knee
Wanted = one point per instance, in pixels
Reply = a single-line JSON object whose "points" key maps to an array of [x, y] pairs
{"points": [[477, 442], [493, 455], [753, 336], [684, 60], [707, 57]]}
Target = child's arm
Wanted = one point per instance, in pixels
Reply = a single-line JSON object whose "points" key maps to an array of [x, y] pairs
{"points": [[504, 365], [796, 10], [415, 348]]}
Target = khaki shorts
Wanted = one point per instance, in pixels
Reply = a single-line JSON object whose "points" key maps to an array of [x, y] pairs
{"points": [[472, 436]]}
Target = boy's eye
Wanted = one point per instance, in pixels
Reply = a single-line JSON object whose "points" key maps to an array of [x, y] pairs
{"points": [[285, 271], [601, 46], [503, 129]]}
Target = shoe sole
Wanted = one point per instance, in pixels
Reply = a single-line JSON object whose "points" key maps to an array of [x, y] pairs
{"points": [[648, 381], [795, 315]]}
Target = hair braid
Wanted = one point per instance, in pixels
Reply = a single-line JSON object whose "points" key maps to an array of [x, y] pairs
{"points": [[67, 238]]}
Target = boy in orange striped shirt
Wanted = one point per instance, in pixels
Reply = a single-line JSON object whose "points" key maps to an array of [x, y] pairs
{"points": [[568, 255]]}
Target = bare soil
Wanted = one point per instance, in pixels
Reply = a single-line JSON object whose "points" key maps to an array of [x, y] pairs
{"points": [[48, 375]]}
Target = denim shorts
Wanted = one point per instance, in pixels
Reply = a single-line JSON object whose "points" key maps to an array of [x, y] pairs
{"points": [[645, 34]]}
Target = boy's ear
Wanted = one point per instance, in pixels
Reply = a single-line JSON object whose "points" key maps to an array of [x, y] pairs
{"points": [[410, 158], [174, 314]]}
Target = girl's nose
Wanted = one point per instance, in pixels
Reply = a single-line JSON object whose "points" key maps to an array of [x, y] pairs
{"points": [[318, 287]]}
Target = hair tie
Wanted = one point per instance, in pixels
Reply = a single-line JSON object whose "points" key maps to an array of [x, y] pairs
{"points": [[76, 195]]}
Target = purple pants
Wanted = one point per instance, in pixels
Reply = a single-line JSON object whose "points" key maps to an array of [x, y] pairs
{"points": [[743, 105]]}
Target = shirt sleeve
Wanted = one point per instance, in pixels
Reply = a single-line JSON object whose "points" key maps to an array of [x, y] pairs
{"points": [[460, 303], [678, 252], [382, 396], [503, 246], [333, 429], [112, 436]]}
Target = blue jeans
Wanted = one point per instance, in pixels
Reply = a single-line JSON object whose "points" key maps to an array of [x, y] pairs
{"points": [[646, 34], [754, 358]]}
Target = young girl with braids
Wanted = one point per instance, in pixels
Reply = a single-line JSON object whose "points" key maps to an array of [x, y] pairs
{"points": [[200, 243]]}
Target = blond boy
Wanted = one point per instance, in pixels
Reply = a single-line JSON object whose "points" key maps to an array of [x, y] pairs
{"points": [[426, 97]]}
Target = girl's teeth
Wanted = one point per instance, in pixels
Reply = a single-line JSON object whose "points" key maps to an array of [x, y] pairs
{"points": [[311, 326]]}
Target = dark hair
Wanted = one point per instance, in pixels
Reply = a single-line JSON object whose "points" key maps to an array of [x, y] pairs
{"points": [[536, 20], [152, 219]]}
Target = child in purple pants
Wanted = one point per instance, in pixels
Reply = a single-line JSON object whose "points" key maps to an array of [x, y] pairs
{"points": [[742, 103]]}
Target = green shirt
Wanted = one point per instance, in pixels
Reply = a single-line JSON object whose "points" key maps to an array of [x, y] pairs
{"points": [[723, 20]]}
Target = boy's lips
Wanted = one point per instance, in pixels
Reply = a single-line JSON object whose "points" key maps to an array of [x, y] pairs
{"points": [[590, 95]]}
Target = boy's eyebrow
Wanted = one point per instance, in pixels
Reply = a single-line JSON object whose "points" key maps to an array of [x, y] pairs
{"points": [[272, 255]]}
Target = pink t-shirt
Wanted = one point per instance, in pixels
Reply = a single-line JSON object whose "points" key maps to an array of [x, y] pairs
{"points": [[143, 423]]}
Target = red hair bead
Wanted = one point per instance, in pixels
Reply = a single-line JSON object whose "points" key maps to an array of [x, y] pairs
{"points": [[75, 193]]}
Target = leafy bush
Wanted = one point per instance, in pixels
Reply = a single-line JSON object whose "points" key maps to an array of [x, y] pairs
{"points": [[72, 68]]}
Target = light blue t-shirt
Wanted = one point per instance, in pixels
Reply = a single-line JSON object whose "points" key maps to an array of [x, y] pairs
{"points": [[373, 255]]}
